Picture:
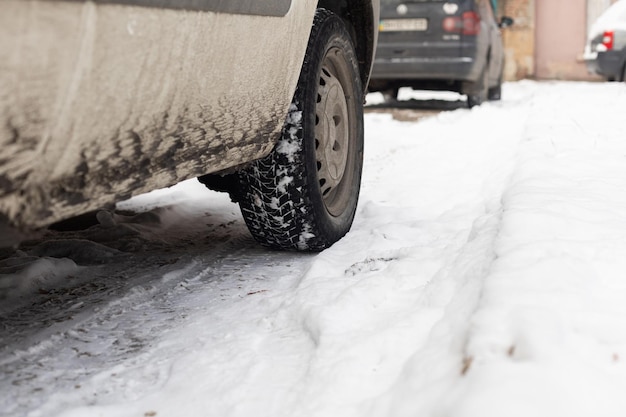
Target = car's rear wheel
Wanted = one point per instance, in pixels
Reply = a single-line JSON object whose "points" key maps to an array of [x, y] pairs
{"points": [[479, 90], [304, 194], [495, 93], [391, 95]]}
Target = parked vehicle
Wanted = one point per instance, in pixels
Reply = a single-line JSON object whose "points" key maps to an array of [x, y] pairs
{"points": [[451, 45], [102, 100], [605, 52]]}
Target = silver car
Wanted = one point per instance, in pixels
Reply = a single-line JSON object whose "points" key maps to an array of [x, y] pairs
{"points": [[102, 100], [605, 51]]}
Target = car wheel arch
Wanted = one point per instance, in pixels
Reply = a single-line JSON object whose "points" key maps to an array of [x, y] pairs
{"points": [[360, 17]]}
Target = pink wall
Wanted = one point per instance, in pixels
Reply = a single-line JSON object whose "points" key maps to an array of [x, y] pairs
{"points": [[560, 29]]}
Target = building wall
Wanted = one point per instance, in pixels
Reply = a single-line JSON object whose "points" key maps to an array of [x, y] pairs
{"points": [[519, 39], [548, 37], [560, 33]]}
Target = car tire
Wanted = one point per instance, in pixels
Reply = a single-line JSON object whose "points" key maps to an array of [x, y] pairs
{"points": [[304, 194], [479, 90], [391, 95], [495, 93]]}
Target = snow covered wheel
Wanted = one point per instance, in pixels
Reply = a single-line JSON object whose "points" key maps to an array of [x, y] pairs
{"points": [[304, 194]]}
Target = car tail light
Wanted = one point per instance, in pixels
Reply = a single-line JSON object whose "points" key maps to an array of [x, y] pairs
{"points": [[608, 39], [467, 24], [471, 23]]}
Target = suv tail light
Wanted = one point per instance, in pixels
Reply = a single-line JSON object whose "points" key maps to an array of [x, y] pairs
{"points": [[608, 39], [471, 23], [467, 24]]}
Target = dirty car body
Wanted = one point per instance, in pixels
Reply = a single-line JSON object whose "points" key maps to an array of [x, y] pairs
{"points": [[103, 100]]}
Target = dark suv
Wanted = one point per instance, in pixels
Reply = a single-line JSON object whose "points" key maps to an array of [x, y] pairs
{"points": [[440, 45]]}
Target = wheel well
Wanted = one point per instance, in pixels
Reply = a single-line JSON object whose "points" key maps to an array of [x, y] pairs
{"points": [[359, 17]]}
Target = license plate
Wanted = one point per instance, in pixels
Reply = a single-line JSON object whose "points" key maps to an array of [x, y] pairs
{"points": [[398, 25]]}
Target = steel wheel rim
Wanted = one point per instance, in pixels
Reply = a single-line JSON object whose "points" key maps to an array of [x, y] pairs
{"points": [[334, 131]]}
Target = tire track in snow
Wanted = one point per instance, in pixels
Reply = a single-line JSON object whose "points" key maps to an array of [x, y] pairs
{"points": [[395, 324], [376, 325], [104, 337], [548, 336], [454, 293]]}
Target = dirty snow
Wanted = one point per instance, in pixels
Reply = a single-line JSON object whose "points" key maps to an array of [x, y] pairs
{"points": [[484, 276]]}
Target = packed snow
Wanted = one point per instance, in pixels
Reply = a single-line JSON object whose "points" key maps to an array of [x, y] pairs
{"points": [[484, 276]]}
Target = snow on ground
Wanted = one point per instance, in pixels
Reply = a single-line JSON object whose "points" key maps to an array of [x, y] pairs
{"points": [[484, 276]]}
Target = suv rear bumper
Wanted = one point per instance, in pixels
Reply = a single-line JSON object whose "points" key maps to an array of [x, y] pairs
{"points": [[426, 68]]}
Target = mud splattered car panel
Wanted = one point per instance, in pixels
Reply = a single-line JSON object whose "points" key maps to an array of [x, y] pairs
{"points": [[99, 101]]}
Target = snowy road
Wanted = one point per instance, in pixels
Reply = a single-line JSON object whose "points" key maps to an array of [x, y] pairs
{"points": [[484, 276]]}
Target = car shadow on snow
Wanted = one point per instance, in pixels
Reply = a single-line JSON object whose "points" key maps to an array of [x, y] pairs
{"points": [[105, 243], [414, 109]]}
